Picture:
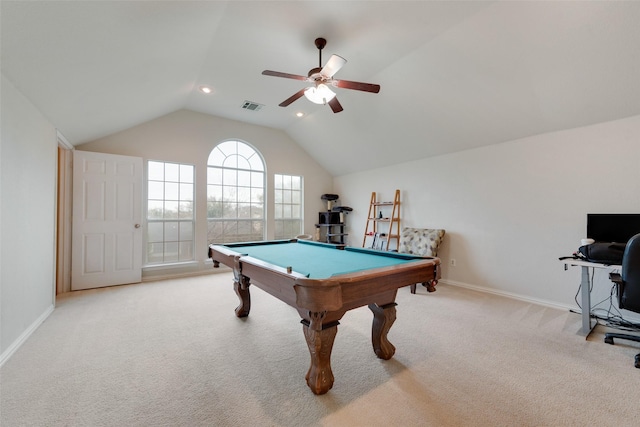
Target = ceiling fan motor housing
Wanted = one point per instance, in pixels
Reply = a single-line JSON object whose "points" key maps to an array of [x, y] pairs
{"points": [[314, 74]]}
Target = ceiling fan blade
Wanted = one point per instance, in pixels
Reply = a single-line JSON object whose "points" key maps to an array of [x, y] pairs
{"points": [[292, 98], [365, 87], [332, 66], [335, 105], [285, 75]]}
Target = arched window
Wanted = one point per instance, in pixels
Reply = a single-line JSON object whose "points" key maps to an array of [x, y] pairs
{"points": [[235, 193]]}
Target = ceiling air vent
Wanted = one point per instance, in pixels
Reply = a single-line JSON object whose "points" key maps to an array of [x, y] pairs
{"points": [[252, 106]]}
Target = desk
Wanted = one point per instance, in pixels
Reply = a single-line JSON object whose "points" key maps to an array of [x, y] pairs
{"points": [[322, 282], [585, 290]]}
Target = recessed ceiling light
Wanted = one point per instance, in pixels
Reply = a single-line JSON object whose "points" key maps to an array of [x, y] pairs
{"points": [[299, 114], [205, 89]]}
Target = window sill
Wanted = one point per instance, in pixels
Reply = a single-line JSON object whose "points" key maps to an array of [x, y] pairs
{"points": [[167, 266]]}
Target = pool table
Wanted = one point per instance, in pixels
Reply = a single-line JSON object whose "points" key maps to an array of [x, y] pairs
{"points": [[322, 282]]}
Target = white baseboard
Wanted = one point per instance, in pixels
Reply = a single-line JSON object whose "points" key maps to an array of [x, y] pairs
{"points": [[25, 335], [537, 301]]}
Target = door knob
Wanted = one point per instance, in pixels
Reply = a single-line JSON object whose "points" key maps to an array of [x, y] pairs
{"points": [[137, 225]]}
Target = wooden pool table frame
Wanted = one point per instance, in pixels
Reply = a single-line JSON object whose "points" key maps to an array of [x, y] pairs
{"points": [[321, 303]]}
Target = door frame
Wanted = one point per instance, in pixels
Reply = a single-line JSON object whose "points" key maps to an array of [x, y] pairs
{"points": [[64, 187]]}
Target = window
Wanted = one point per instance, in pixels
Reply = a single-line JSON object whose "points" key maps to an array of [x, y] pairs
{"points": [[235, 194], [288, 206], [170, 219]]}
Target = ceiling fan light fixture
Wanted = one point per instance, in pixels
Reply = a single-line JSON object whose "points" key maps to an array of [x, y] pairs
{"points": [[319, 94]]}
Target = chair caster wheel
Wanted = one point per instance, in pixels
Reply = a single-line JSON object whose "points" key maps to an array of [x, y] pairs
{"points": [[637, 362], [608, 340]]}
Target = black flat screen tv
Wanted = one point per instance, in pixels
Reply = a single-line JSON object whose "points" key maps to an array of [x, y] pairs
{"points": [[612, 227]]}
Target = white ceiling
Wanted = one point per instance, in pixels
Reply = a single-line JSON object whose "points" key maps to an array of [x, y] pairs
{"points": [[454, 75]]}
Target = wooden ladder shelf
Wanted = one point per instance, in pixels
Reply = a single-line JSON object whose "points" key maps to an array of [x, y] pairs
{"points": [[383, 217]]}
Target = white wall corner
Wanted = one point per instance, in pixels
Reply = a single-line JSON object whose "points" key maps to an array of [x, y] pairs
{"points": [[25, 335]]}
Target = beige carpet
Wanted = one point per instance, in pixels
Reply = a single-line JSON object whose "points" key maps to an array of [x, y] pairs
{"points": [[172, 353]]}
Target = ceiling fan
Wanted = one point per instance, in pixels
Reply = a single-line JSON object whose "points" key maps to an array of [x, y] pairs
{"points": [[322, 78]]}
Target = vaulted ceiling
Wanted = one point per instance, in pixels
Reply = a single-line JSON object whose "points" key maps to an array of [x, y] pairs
{"points": [[454, 75]]}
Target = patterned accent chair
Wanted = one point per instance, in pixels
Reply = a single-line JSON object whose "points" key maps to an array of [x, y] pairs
{"points": [[424, 242]]}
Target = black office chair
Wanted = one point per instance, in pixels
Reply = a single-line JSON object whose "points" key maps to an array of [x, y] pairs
{"points": [[628, 284]]}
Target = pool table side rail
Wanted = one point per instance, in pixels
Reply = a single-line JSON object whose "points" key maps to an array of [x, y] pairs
{"points": [[271, 278], [280, 241], [356, 288], [227, 257], [335, 293]]}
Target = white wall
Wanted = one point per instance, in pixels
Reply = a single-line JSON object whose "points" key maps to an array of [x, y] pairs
{"points": [[28, 193], [510, 210], [188, 137]]}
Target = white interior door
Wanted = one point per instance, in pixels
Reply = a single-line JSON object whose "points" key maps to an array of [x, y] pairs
{"points": [[107, 218]]}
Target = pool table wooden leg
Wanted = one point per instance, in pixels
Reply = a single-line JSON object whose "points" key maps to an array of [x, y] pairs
{"points": [[320, 340], [241, 286], [430, 285], [383, 318]]}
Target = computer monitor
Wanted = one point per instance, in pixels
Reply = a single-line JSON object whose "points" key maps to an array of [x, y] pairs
{"points": [[612, 227]]}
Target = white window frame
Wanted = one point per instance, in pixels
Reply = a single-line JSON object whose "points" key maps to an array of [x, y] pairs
{"points": [[236, 193], [170, 213], [288, 201]]}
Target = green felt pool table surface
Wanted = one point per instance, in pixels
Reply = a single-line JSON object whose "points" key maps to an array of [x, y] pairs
{"points": [[319, 260]]}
